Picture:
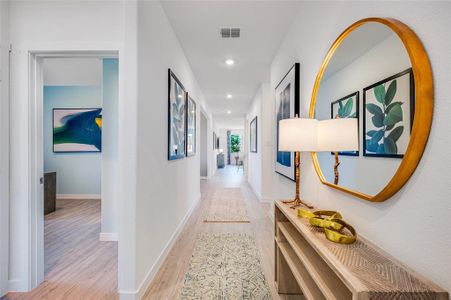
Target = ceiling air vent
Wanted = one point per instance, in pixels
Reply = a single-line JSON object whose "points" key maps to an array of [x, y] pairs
{"points": [[230, 32]]}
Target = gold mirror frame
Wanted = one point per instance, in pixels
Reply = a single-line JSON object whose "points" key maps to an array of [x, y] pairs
{"points": [[424, 102]]}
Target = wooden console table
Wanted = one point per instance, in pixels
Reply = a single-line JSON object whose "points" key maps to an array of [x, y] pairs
{"points": [[309, 264]]}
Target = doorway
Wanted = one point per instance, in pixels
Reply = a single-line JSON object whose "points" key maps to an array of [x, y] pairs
{"points": [[74, 150], [203, 146]]}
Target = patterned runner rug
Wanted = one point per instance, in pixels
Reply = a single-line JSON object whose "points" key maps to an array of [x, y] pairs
{"points": [[227, 206], [225, 267]]}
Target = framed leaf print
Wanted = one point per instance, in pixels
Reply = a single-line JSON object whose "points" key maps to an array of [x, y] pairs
{"points": [[191, 127], [389, 106], [287, 106], [176, 118], [346, 107]]}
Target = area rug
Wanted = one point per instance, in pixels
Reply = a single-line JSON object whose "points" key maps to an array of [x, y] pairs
{"points": [[226, 206], [225, 267]]}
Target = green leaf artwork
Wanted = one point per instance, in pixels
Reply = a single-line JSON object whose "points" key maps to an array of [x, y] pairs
{"points": [[385, 116], [344, 108]]}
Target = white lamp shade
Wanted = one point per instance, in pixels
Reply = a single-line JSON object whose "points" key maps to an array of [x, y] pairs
{"points": [[298, 135], [338, 135]]}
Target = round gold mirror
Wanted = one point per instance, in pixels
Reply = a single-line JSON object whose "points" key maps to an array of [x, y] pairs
{"points": [[378, 72]]}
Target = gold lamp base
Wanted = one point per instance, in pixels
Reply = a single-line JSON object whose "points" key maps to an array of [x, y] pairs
{"points": [[297, 200], [296, 203]]}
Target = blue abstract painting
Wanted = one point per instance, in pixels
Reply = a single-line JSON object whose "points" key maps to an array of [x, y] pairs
{"points": [[287, 107], [77, 130]]}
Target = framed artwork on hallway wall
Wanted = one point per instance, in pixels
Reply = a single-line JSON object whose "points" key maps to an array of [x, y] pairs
{"points": [[191, 127], [176, 117], [388, 110], [346, 107], [253, 135], [77, 130], [287, 104]]}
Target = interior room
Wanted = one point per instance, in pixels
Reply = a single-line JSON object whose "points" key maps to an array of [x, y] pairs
{"points": [[225, 150]]}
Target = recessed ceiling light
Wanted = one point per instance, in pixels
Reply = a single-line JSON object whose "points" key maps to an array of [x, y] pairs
{"points": [[230, 62], [229, 96], [229, 112]]}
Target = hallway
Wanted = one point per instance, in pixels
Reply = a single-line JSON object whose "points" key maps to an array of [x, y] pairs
{"points": [[169, 280]]}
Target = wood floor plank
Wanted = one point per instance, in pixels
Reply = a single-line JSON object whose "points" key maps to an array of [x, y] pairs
{"points": [[77, 264]]}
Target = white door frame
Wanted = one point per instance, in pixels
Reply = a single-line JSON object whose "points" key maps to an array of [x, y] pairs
{"points": [[36, 165], [4, 168]]}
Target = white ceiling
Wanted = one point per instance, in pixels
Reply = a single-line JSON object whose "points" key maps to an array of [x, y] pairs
{"points": [[263, 25]]}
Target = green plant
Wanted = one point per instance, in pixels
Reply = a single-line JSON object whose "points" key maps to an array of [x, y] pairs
{"points": [[235, 143], [386, 115], [344, 111]]}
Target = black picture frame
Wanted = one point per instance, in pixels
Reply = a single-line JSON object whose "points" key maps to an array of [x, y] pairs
{"points": [[288, 172], [178, 154], [357, 112], [253, 147], [191, 109], [53, 130], [217, 142], [411, 101], [214, 140]]}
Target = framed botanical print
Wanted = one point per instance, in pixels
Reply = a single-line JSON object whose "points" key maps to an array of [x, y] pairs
{"points": [[191, 114], [77, 130], [253, 135], [389, 107], [346, 107], [176, 118], [287, 106]]}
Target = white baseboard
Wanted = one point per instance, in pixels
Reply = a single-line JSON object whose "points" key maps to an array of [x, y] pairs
{"points": [[109, 237], [259, 197], [15, 285], [78, 196], [138, 294]]}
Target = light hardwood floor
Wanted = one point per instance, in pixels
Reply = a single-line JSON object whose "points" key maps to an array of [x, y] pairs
{"points": [[77, 264], [169, 280]]}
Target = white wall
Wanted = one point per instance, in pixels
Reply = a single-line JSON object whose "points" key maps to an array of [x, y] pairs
{"points": [[425, 245], [73, 71], [203, 149], [4, 147], [254, 160], [167, 191], [259, 168], [62, 26]]}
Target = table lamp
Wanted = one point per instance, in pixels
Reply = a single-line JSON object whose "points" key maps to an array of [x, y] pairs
{"points": [[338, 135], [298, 135]]}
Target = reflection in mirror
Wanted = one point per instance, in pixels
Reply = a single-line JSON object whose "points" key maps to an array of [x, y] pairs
{"points": [[369, 77]]}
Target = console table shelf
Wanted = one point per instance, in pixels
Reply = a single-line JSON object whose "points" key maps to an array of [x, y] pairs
{"points": [[307, 263]]}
